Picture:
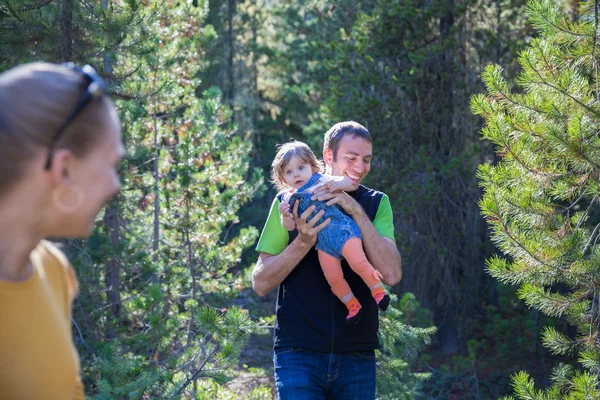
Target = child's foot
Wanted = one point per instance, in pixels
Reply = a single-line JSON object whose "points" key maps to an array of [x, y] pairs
{"points": [[354, 311], [353, 320], [381, 298]]}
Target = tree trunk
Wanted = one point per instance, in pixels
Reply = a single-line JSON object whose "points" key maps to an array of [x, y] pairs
{"points": [[112, 278], [498, 31], [448, 332], [572, 9], [448, 329], [66, 27], [112, 222], [156, 232], [257, 100], [231, 39]]}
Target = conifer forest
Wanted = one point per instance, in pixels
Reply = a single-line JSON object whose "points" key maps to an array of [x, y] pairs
{"points": [[485, 118]]}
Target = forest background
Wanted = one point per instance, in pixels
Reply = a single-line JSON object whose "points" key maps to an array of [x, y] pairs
{"points": [[206, 90]]}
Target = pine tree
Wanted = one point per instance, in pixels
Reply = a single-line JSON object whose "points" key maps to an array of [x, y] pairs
{"points": [[401, 344], [541, 198]]}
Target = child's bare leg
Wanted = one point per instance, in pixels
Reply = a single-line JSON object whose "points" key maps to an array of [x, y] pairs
{"points": [[357, 259], [332, 268]]}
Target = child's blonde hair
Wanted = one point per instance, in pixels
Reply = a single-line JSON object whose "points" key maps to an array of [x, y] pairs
{"points": [[284, 154]]}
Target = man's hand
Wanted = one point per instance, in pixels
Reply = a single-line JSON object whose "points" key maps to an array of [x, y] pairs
{"points": [[340, 198], [307, 231]]}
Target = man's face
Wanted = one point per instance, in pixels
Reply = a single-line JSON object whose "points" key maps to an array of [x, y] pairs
{"points": [[353, 159]]}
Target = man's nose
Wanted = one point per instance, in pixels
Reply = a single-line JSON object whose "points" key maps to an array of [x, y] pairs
{"points": [[359, 166]]}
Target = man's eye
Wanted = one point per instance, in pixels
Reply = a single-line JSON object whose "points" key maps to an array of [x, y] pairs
{"points": [[368, 161], [350, 159]]}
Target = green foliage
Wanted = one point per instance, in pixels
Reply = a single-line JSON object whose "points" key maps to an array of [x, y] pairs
{"points": [[123, 375], [401, 343], [541, 198], [507, 338]]}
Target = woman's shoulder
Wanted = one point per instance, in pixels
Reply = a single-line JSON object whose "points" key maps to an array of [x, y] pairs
{"points": [[54, 262], [50, 253]]}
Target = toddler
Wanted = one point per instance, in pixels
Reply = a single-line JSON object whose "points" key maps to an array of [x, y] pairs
{"points": [[297, 172]]}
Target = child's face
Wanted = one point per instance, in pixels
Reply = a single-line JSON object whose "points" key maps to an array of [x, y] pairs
{"points": [[297, 172]]}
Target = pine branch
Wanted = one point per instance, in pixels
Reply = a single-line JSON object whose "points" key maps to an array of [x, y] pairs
{"points": [[566, 209], [559, 28], [38, 6], [594, 44], [127, 96], [516, 103], [590, 241], [197, 372], [543, 82]]}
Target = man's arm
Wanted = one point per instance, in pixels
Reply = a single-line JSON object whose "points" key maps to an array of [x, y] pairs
{"points": [[381, 251], [270, 270]]}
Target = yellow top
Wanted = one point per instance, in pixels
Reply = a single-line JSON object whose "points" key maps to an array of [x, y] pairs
{"points": [[38, 359]]}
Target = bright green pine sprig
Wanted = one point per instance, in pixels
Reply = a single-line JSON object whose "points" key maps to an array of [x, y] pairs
{"points": [[541, 199]]}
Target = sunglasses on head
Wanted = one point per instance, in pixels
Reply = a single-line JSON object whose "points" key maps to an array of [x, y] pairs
{"points": [[95, 88]]}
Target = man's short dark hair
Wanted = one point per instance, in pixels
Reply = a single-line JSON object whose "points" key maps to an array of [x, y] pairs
{"points": [[336, 133]]}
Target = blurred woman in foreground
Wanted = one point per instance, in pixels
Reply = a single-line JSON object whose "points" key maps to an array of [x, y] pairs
{"points": [[60, 145]]}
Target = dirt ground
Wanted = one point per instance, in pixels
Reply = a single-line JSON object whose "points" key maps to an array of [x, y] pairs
{"points": [[255, 367]]}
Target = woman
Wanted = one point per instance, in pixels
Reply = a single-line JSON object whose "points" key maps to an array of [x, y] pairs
{"points": [[60, 144]]}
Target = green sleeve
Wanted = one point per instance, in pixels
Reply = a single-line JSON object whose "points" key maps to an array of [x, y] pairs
{"points": [[274, 237], [384, 220]]}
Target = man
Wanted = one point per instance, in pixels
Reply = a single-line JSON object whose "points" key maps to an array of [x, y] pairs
{"points": [[316, 355]]}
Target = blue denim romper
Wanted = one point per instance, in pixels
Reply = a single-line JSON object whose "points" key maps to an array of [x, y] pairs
{"points": [[340, 229]]}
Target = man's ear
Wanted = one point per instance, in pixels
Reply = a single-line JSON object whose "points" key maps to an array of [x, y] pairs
{"points": [[328, 156]]}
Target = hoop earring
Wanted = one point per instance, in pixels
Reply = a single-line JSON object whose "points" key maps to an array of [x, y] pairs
{"points": [[69, 203]]}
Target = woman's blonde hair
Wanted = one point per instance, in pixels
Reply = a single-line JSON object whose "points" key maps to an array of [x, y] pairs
{"points": [[284, 154], [35, 99]]}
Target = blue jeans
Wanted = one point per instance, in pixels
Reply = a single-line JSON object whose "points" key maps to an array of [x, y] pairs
{"points": [[309, 375]]}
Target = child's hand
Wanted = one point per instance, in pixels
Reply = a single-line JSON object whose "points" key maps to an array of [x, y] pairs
{"points": [[338, 183], [333, 186], [287, 219], [284, 209]]}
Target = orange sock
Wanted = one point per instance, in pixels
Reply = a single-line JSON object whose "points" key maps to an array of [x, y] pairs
{"points": [[378, 293], [381, 297], [354, 309]]}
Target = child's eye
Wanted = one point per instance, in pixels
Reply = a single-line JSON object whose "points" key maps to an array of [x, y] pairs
{"points": [[288, 172], [301, 167]]}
